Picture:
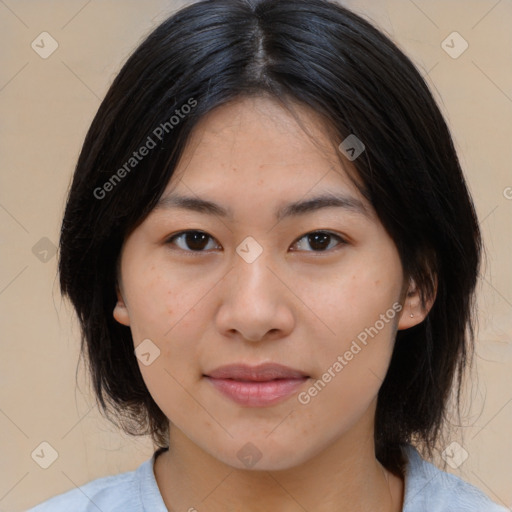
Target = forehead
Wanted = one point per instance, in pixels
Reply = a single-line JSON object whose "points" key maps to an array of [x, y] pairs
{"points": [[255, 148]]}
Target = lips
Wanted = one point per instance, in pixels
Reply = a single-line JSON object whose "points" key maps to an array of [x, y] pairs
{"points": [[260, 373], [256, 386]]}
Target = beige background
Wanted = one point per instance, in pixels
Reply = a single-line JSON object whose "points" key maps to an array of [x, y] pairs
{"points": [[46, 108]]}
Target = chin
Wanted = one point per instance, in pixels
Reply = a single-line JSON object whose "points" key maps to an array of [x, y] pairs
{"points": [[262, 455]]}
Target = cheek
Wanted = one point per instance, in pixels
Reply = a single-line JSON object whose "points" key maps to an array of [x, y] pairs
{"points": [[164, 309], [163, 312], [361, 311], [153, 300], [353, 302], [350, 374]]}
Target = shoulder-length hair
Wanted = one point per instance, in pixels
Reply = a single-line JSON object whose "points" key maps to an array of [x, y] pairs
{"points": [[318, 54]]}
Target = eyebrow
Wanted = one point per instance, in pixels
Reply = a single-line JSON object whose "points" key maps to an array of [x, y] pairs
{"points": [[302, 207]]}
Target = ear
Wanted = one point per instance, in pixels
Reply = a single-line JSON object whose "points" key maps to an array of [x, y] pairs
{"points": [[121, 313], [413, 313]]}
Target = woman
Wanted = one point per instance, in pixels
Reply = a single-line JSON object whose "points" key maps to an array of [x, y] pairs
{"points": [[272, 252]]}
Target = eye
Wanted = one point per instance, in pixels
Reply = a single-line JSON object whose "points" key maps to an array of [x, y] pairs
{"points": [[197, 241], [194, 240], [319, 240]]}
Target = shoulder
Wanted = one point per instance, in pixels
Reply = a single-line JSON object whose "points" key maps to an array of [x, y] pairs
{"points": [[124, 492], [428, 488]]}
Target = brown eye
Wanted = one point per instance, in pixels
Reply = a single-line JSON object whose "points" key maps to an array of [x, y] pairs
{"points": [[191, 241], [319, 241]]}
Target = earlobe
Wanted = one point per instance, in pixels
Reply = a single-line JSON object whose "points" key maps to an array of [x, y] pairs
{"points": [[413, 313], [120, 312]]}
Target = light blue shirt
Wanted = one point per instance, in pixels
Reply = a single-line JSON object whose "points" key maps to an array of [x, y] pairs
{"points": [[427, 489]]}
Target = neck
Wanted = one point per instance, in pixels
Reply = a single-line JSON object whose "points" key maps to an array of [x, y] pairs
{"points": [[346, 476]]}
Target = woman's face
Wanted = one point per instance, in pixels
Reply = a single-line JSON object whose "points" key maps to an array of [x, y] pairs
{"points": [[255, 287]]}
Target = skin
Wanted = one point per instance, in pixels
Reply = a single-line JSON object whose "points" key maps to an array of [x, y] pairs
{"points": [[295, 304]]}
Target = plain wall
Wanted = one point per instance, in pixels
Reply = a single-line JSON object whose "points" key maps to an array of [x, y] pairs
{"points": [[47, 106]]}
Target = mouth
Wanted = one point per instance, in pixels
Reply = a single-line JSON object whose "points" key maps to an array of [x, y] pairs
{"points": [[256, 386]]}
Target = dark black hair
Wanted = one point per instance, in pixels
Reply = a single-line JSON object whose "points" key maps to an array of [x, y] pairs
{"points": [[314, 53]]}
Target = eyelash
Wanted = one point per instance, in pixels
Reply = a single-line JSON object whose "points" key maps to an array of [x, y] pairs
{"points": [[171, 239]]}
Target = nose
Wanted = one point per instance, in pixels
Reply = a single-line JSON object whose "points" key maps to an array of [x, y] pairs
{"points": [[256, 303]]}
